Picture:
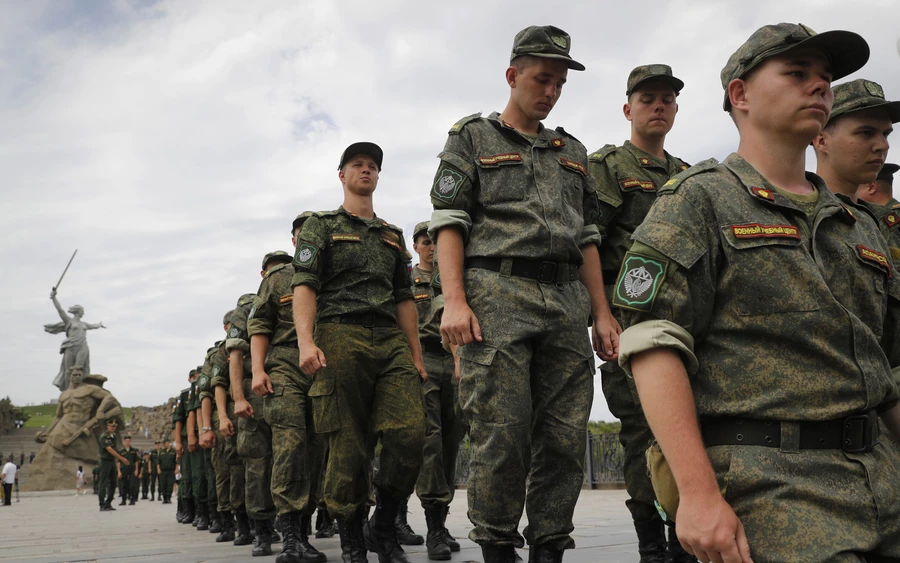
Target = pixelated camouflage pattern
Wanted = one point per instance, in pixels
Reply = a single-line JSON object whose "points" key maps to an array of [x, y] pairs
{"points": [[272, 312], [814, 505], [861, 94], [440, 395], [652, 72], [238, 337], [544, 41], [485, 185], [785, 327], [526, 392], [359, 266], [210, 474], [254, 446], [888, 221], [422, 296], [279, 255], [369, 391]]}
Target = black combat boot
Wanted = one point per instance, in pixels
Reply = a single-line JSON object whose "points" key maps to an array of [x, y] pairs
{"points": [[124, 502], [203, 520], [405, 533], [227, 533], [353, 542], [544, 554], [494, 553], [677, 554], [308, 553], [144, 496], [273, 533], [381, 529], [324, 524], [651, 541], [448, 539], [438, 550], [151, 497], [242, 533], [188, 514], [215, 520], [290, 547], [196, 519], [262, 544], [179, 511]]}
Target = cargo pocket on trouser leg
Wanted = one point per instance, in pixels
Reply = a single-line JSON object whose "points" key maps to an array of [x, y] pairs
{"points": [[326, 415]]}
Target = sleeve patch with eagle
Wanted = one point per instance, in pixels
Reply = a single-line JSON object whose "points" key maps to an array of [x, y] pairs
{"points": [[639, 281]]}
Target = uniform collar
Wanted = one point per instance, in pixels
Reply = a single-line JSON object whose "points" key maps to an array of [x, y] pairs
{"points": [[645, 159], [376, 221], [763, 191], [545, 137]]}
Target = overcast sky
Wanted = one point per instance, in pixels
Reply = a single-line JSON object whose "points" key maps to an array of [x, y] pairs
{"points": [[172, 143]]}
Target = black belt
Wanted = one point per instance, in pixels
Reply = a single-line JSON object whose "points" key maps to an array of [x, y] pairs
{"points": [[544, 272], [853, 434], [434, 347], [368, 320]]}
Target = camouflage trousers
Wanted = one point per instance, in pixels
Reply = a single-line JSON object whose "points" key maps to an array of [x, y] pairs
{"points": [[297, 453], [211, 495], [635, 437], [440, 394], [526, 392], [198, 475], [370, 391], [228, 466], [814, 505], [254, 446]]}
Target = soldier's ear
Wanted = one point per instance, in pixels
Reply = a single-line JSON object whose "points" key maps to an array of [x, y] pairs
{"points": [[512, 74]]}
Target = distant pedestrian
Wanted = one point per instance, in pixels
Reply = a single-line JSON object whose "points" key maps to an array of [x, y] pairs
{"points": [[31, 458], [8, 477], [21, 459], [79, 481]]}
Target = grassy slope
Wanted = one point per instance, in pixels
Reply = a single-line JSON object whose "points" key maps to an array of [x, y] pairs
{"points": [[48, 413]]}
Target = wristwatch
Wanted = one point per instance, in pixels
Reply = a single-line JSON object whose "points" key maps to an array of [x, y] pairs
{"points": [[207, 428]]}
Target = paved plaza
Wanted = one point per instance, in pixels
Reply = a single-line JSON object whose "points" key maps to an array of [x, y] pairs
{"points": [[52, 529]]}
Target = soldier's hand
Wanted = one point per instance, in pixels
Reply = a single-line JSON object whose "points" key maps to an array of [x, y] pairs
{"points": [[605, 336], [192, 444], [421, 368], [179, 450], [243, 409], [119, 475], [261, 384], [226, 428], [709, 529], [459, 325], [207, 440], [312, 359], [126, 462]]}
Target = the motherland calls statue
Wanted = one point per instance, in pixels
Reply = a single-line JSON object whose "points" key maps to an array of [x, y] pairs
{"points": [[74, 348], [72, 438]]}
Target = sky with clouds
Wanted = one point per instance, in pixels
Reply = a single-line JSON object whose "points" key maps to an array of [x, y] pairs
{"points": [[173, 142]]}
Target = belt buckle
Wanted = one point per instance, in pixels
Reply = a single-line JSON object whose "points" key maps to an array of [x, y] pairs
{"points": [[547, 272], [369, 320], [849, 432]]}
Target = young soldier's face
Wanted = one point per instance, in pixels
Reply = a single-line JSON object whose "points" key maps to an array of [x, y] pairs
{"points": [[856, 146], [424, 247], [537, 87], [789, 95], [651, 109], [360, 174]]}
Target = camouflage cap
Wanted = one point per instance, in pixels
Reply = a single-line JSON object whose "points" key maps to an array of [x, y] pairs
{"points": [[544, 41], [861, 94], [278, 256], [299, 220], [112, 422], [370, 149], [244, 300], [652, 72], [227, 318], [887, 171], [419, 229], [846, 51]]}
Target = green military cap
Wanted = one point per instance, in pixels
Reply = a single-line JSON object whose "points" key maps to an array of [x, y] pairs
{"points": [[861, 94], [126, 437], [192, 373], [420, 228], [652, 72], [544, 41], [227, 318], [299, 219], [370, 149], [887, 171], [112, 422], [846, 51], [278, 256], [247, 298], [157, 441]]}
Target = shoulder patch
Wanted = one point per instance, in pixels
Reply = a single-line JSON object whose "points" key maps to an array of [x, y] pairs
{"points": [[601, 154], [305, 254], [572, 165], [322, 214], [447, 183], [892, 219], [566, 133], [458, 126], [639, 281], [876, 258], [234, 332], [699, 168]]}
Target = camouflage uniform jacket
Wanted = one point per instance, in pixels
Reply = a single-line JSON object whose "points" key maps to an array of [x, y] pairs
{"points": [[512, 198], [272, 313], [204, 387], [238, 337], [357, 266], [776, 318], [627, 182], [888, 220], [423, 295]]}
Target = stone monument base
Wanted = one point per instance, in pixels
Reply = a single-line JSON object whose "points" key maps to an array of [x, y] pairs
{"points": [[52, 470]]}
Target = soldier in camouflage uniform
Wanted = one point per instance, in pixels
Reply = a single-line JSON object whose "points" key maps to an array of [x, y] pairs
{"points": [[297, 453], [353, 310], [108, 467], [437, 481], [179, 419], [154, 469], [166, 470], [880, 192], [852, 148], [763, 325], [515, 226], [128, 472], [204, 486], [628, 178], [218, 474]]}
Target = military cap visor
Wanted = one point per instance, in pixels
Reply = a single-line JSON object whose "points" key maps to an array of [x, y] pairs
{"points": [[126, 437], [846, 51], [420, 228], [370, 149], [544, 41], [887, 171], [112, 422], [157, 442], [299, 220], [278, 256]]}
